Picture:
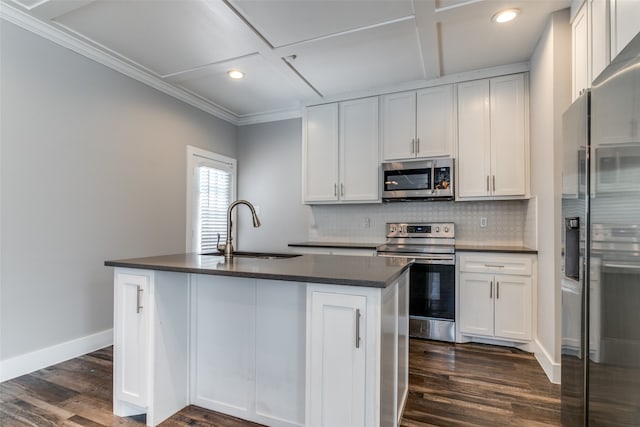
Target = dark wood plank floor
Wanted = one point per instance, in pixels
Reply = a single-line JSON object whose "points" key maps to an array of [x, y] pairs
{"points": [[450, 385]]}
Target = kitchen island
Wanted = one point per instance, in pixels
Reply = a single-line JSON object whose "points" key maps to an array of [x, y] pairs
{"points": [[306, 340]]}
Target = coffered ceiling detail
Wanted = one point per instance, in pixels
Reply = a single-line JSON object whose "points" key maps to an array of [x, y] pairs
{"points": [[293, 52]]}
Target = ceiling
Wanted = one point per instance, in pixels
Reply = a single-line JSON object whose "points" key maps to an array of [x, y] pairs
{"points": [[293, 52]]}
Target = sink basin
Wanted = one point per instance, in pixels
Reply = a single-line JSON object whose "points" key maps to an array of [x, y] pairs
{"points": [[261, 255]]}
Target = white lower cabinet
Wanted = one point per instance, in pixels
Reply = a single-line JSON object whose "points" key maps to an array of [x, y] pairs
{"points": [[131, 338], [338, 360], [496, 303], [357, 355]]}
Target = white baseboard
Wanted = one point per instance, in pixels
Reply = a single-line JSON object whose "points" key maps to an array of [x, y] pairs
{"points": [[26, 363], [551, 368]]}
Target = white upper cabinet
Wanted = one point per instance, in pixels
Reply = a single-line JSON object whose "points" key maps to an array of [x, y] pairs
{"points": [[600, 29], [580, 53], [320, 153], [418, 124], [359, 150], [341, 152], [492, 138], [600, 46], [625, 23], [509, 163], [398, 125]]}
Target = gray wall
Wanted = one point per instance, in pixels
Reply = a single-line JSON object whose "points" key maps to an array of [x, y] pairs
{"points": [[270, 177], [550, 96], [92, 167]]}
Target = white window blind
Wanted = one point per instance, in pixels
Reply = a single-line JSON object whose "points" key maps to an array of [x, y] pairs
{"points": [[211, 187], [214, 197]]}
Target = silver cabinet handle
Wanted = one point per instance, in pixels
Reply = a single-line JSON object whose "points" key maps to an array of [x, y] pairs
{"points": [[357, 328], [497, 290], [494, 266], [138, 299], [494, 183], [335, 190], [342, 189], [413, 146], [487, 183], [491, 289]]}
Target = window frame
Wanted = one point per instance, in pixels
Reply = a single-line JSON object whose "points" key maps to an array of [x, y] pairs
{"points": [[195, 156]]}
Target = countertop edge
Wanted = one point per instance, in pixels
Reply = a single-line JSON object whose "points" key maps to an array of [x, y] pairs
{"points": [[266, 276]]}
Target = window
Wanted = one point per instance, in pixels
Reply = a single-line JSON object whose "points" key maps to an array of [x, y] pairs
{"points": [[211, 188]]}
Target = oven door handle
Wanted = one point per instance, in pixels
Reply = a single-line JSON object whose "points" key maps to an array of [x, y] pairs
{"points": [[446, 260]]}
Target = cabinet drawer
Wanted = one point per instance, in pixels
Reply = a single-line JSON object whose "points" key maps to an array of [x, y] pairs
{"points": [[496, 264]]}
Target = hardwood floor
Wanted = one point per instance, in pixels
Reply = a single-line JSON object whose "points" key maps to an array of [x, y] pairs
{"points": [[450, 385]]}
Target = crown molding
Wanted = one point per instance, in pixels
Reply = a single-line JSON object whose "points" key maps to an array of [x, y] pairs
{"points": [[484, 73], [49, 32]]}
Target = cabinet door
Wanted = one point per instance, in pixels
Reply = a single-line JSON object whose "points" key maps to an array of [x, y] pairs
{"points": [[508, 167], [320, 153], [398, 125], [580, 53], [359, 150], [435, 121], [625, 24], [600, 40], [476, 304], [131, 340], [474, 139], [337, 361], [513, 307]]}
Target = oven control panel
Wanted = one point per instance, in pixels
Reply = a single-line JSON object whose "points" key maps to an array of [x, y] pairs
{"points": [[429, 229]]}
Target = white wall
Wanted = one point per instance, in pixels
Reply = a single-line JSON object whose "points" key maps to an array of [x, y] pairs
{"points": [[270, 177], [92, 167], [550, 96]]}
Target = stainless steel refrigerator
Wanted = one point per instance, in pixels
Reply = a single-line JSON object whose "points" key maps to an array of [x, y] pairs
{"points": [[601, 247]]}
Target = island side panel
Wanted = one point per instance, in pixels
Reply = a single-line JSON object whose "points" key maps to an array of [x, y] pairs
{"points": [[280, 352], [223, 344], [170, 343], [403, 344], [248, 348]]}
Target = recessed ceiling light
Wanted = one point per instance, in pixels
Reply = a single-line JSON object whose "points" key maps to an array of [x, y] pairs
{"points": [[235, 74], [505, 16]]}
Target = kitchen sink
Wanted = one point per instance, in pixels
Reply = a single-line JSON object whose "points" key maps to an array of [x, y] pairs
{"points": [[261, 255]]}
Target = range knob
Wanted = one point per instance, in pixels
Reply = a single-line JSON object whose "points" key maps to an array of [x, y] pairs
{"points": [[446, 228], [437, 229]]}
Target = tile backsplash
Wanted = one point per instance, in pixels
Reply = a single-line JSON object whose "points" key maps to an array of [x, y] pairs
{"points": [[508, 222]]}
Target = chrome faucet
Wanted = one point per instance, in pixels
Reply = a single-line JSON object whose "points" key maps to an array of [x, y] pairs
{"points": [[228, 246]]}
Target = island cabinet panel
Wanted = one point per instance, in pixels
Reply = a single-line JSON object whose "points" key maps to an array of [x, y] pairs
{"points": [[357, 354], [150, 343], [248, 343], [337, 352], [131, 337]]}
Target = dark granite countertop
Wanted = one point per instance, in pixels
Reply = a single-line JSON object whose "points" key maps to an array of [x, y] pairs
{"points": [[341, 245], [375, 272], [494, 248]]}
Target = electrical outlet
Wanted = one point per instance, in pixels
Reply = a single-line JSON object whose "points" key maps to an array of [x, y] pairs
{"points": [[483, 222], [366, 222]]}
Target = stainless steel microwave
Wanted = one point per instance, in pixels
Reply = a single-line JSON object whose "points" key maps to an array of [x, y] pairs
{"points": [[418, 180]]}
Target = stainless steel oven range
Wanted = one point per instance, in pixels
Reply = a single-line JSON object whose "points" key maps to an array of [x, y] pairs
{"points": [[432, 275]]}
